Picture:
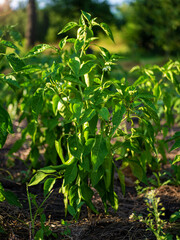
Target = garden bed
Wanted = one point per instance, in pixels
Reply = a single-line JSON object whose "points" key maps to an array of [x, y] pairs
{"points": [[115, 225]]}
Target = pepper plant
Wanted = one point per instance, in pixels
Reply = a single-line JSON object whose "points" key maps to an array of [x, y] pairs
{"points": [[92, 109], [165, 84], [8, 39]]}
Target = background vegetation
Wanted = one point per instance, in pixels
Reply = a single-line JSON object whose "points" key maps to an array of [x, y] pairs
{"points": [[141, 26]]}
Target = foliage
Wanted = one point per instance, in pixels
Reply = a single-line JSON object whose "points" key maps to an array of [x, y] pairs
{"points": [[152, 25], [83, 97], [14, 18], [9, 196], [5, 121], [44, 231], [67, 231], [154, 219], [75, 110]]}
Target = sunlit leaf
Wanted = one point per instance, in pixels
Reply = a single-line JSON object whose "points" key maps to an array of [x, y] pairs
{"points": [[37, 178], [86, 15], [48, 185], [87, 67], [68, 26], [38, 49], [59, 149], [62, 43], [87, 116], [107, 30]]}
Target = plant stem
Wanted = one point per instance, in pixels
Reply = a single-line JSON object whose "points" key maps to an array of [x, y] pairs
{"points": [[30, 210]]}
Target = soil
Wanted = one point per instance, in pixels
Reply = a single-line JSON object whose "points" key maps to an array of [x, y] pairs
{"points": [[16, 222]]}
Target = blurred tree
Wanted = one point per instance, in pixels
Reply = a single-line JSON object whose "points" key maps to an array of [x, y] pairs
{"points": [[152, 25], [72, 8], [41, 22], [13, 17], [31, 23]]}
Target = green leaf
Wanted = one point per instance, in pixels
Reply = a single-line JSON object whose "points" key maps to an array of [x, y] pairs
{"points": [[87, 116], [34, 156], [73, 79], [99, 152], [105, 53], [137, 170], [50, 169], [157, 90], [11, 198], [77, 109], [48, 185], [59, 149], [62, 43], [175, 145], [140, 80], [86, 163], [122, 180], [78, 44], [176, 160], [104, 113], [37, 101], [118, 113], [64, 110], [15, 62], [145, 95], [175, 216], [2, 198], [88, 146], [86, 15], [71, 210], [87, 67], [37, 50], [29, 69], [37, 178], [39, 234], [73, 195], [151, 110], [107, 30], [32, 129], [5, 125], [55, 101], [70, 173], [74, 64], [68, 26], [12, 82], [2, 51], [75, 147], [96, 176], [9, 44], [87, 194]]}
